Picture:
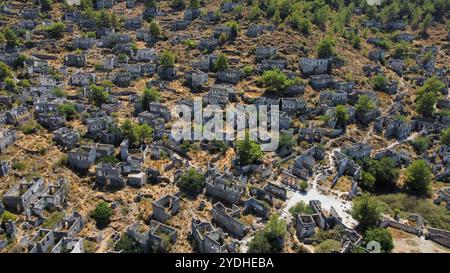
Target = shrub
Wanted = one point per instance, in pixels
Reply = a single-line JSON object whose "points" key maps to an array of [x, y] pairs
{"points": [[54, 218], [248, 70], [10, 37], [255, 13], [108, 159], [405, 204], [150, 3], [234, 28], [221, 63], [190, 43], [58, 92], [46, 5], [102, 214], [401, 50], [126, 244], [19, 166], [218, 146], [55, 30], [194, 4], [380, 83], [275, 79], [356, 42], [342, 115], [155, 29], [7, 216], [177, 4], [62, 161], [328, 246], [29, 127], [5, 71]]}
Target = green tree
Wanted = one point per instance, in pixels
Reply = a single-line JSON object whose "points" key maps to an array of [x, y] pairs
{"points": [[259, 244], [68, 110], [421, 144], [98, 94], [255, 13], [248, 151], [177, 4], [102, 214], [144, 133], [129, 131], [426, 23], [194, 4], [321, 16], [364, 104], [154, 28], [401, 50], [380, 235], [271, 239], [192, 180], [342, 115], [302, 208], [167, 59], [234, 28], [385, 172], [325, 48], [367, 181], [425, 103], [11, 37], [428, 95], [46, 5], [367, 210], [58, 92], [221, 63], [10, 84], [2, 38], [149, 95], [445, 137], [356, 42], [150, 3], [418, 177]]}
